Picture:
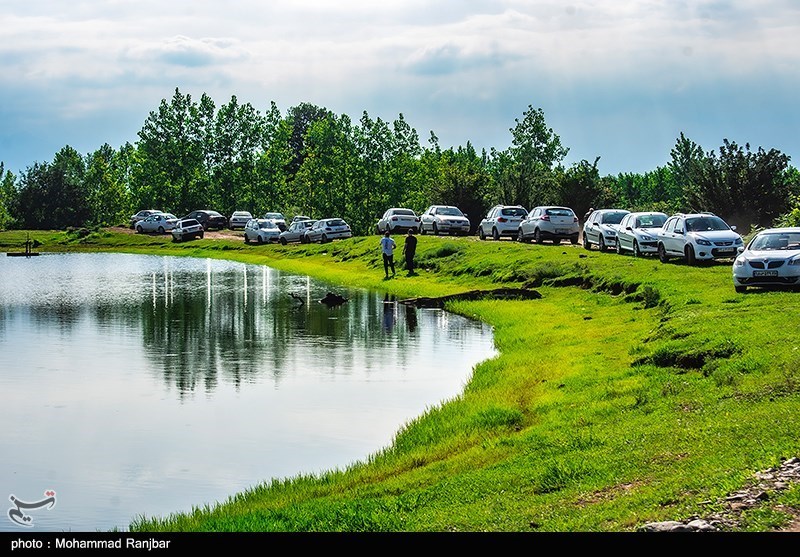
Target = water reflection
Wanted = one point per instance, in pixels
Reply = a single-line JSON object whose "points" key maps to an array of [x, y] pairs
{"points": [[144, 384]]}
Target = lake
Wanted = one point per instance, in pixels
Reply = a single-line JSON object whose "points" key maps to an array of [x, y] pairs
{"points": [[144, 385]]}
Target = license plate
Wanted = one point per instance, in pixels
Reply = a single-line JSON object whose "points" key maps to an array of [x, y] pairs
{"points": [[726, 250], [765, 273], [561, 231]]}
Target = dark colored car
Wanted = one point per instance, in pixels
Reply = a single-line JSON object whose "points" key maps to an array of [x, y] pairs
{"points": [[209, 219]]}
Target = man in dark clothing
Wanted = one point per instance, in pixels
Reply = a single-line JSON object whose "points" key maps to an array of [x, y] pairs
{"points": [[409, 249]]}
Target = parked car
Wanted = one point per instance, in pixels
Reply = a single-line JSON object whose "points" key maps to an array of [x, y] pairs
{"points": [[239, 219], [261, 231], [638, 233], [771, 258], [550, 222], [277, 218], [698, 237], [160, 222], [296, 232], [326, 230], [209, 219], [446, 219], [502, 220], [600, 229], [186, 229], [143, 214], [398, 220]]}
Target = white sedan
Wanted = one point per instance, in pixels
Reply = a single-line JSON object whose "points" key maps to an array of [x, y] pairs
{"points": [[397, 220], [261, 231], [296, 232], [239, 219], [159, 222], [325, 230], [638, 233], [771, 258]]}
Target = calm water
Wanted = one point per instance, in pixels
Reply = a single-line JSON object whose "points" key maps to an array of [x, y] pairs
{"points": [[137, 385]]}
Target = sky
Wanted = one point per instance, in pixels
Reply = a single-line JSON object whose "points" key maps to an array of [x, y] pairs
{"points": [[616, 79]]}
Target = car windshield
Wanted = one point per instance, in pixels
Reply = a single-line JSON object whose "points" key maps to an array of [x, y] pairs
{"points": [[213, 214], [449, 211], [776, 241], [704, 224], [650, 221], [407, 212], [559, 212], [336, 222], [513, 212], [267, 224], [274, 216], [613, 218]]}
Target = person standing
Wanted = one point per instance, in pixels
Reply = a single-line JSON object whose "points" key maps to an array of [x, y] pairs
{"points": [[387, 249], [409, 250]]}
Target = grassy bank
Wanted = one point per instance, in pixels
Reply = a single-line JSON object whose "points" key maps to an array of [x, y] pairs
{"points": [[631, 391]]}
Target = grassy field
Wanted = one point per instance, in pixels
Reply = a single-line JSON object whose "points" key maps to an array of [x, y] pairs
{"points": [[632, 391]]}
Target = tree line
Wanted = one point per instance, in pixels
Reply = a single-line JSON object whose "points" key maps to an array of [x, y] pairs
{"points": [[194, 154]]}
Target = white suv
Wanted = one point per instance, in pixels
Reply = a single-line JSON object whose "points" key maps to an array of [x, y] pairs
{"points": [[698, 237]]}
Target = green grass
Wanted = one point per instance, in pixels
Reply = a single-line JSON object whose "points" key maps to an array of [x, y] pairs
{"points": [[632, 391]]}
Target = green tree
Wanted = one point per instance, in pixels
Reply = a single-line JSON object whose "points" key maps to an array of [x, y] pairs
{"points": [[107, 187], [53, 195], [8, 198], [526, 169], [171, 170]]}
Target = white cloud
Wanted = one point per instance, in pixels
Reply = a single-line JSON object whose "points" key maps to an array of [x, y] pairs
{"points": [[463, 68]]}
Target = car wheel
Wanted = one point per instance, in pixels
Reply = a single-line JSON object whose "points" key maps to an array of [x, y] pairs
{"points": [[618, 249], [202, 235], [323, 239], [574, 240], [282, 241], [740, 288], [175, 239], [481, 233], [586, 244], [636, 251], [662, 254], [537, 236], [260, 240], [246, 239], [435, 230], [139, 230], [495, 234], [520, 236], [422, 230], [601, 244], [690, 257], [161, 230]]}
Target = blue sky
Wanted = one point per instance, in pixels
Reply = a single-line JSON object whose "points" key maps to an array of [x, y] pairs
{"points": [[619, 80]]}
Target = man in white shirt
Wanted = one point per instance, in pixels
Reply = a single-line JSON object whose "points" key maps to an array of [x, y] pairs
{"points": [[387, 249]]}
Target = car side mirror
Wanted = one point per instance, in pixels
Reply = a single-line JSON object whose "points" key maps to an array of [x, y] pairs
{"points": [[628, 228], [733, 227]]}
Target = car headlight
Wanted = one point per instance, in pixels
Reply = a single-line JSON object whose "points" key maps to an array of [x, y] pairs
{"points": [[739, 261], [739, 241], [646, 238], [794, 260], [703, 242]]}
